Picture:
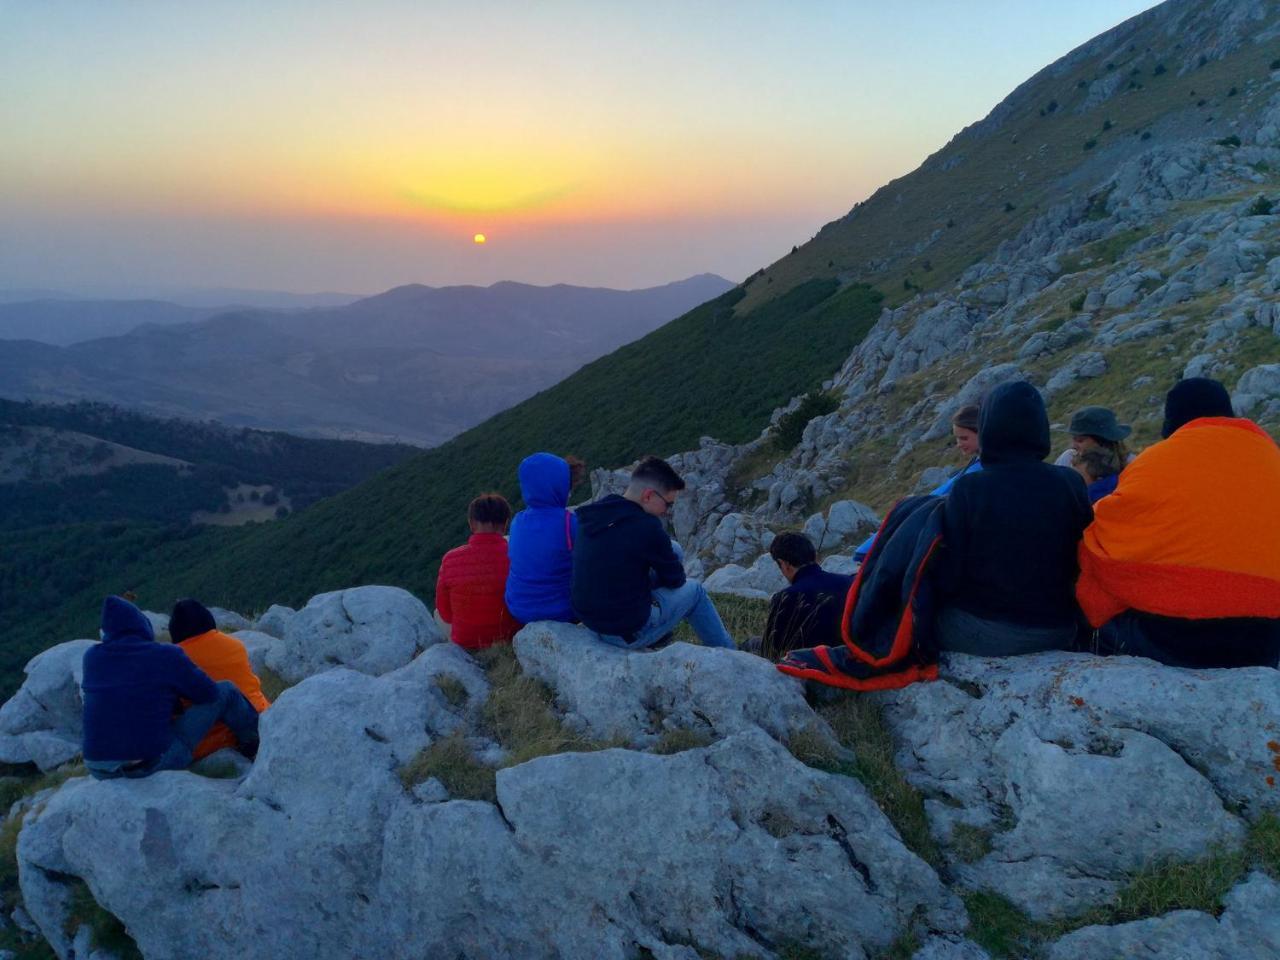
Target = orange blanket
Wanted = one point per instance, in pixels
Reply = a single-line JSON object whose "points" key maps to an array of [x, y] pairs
{"points": [[1192, 531]]}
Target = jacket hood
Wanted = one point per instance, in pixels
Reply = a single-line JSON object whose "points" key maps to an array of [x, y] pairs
{"points": [[189, 618], [1014, 424], [121, 620], [595, 517], [1192, 399], [544, 480]]}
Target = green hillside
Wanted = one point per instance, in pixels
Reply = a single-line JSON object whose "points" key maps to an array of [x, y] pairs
{"points": [[921, 231], [710, 372]]}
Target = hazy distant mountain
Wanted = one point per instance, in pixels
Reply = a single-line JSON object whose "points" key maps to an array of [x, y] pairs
{"points": [[415, 363], [62, 322]]}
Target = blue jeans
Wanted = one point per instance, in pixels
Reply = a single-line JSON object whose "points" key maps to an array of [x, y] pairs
{"points": [[188, 729], [670, 606], [962, 632]]}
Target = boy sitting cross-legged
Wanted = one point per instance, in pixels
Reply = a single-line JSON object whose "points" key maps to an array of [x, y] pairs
{"points": [[629, 585]]}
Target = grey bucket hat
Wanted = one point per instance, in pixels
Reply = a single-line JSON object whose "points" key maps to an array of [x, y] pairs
{"points": [[1097, 422]]}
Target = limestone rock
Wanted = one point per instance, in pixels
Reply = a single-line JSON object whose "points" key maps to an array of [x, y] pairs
{"points": [[607, 692], [847, 522], [1080, 770], [1083, 366], [228, 621], [1249, 929], [722, 849], [760, 581], [274, 620], [42, 722], [370, 629], [1257, 390]]}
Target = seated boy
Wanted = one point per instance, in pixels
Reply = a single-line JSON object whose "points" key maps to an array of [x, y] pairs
{"points": [[473, 579], [628, 583], [131, 690], [222, 657], [807, 613]]}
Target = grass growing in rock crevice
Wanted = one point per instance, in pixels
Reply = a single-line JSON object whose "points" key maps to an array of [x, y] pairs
{"points": [[857, 722], [109, 933], [1005, 931], [521, 715], [451, 761]]}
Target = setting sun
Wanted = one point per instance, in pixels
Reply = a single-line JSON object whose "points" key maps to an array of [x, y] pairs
{"points": [[479, 238]]}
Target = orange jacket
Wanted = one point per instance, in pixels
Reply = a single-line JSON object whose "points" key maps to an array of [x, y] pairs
{"points": [[224, 658], [1192, 531]]}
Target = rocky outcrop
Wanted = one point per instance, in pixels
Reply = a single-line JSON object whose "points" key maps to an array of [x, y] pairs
{"points": [[1078, 770], [41, 723], [610, 694], [730, 849], [370, 629], [1248, 929]]}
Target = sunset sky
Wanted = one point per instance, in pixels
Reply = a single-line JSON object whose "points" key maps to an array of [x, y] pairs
{"points": [[354, 146]]}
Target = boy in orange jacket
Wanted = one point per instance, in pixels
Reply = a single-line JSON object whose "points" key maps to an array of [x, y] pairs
{"points": [[222, 657]]}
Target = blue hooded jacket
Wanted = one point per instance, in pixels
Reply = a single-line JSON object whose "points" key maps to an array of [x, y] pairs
{"points": [[541, 541], [132, 685]]}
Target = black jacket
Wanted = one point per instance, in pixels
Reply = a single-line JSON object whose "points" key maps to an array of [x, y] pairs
{"points": [[1010, 531], [618, 545], [806, 613]]}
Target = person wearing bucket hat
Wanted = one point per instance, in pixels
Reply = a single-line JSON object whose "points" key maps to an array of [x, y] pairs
{"points": [[1180, 565], [1092, 427]]}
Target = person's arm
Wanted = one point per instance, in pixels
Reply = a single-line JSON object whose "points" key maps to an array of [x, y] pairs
{"points": [[190, 681], [444, 605], [667, 569]]}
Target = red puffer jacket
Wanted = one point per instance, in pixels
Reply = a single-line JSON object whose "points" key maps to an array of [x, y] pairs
{"points": [[469, 592]]}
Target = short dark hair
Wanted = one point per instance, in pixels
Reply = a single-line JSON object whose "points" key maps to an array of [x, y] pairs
{"points": [[793, 548], [656, 473], [577, 470], [966, 418], [489, 508]]}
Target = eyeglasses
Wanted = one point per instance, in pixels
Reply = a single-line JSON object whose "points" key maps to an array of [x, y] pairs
{"points": [[670, 504]]}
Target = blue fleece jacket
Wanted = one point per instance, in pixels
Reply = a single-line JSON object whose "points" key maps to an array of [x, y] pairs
{"points": [[941, 490], [540, 543], [132, 685]]}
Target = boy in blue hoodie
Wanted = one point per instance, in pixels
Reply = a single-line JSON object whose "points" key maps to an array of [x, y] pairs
{"points": [[540, 545], [131, 690], [628, 583]]}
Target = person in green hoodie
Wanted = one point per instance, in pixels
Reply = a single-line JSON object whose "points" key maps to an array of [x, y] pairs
{"points": [[629, 585]]}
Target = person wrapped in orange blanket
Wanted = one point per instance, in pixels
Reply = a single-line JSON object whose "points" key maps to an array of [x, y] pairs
{"points": [[1182, 563]]}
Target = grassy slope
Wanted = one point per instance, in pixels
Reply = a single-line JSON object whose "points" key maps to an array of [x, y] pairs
{"points": [[709, 372], [1031, 161]]}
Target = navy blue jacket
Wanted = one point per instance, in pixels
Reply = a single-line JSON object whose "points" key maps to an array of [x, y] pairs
{"points": [[1010, 532], [806, 613], [132, 685], [540, 547], [619, 545]]}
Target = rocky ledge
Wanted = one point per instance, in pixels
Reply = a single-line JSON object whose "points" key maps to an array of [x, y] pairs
{"points": [[675, 817]]}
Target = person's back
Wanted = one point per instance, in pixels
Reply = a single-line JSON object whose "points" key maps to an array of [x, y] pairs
{"points": [[131, 687], [1182, 562], [807, 612], [618, 545], [541, 546], [1010, 533], [221, 657], [473, 579], [629, 585]]}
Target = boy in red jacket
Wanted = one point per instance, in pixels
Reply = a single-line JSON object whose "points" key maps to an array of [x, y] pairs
{"points": [[473, 579]]}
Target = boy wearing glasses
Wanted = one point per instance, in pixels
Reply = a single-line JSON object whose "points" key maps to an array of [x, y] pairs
{"points": [[628, 583]]}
